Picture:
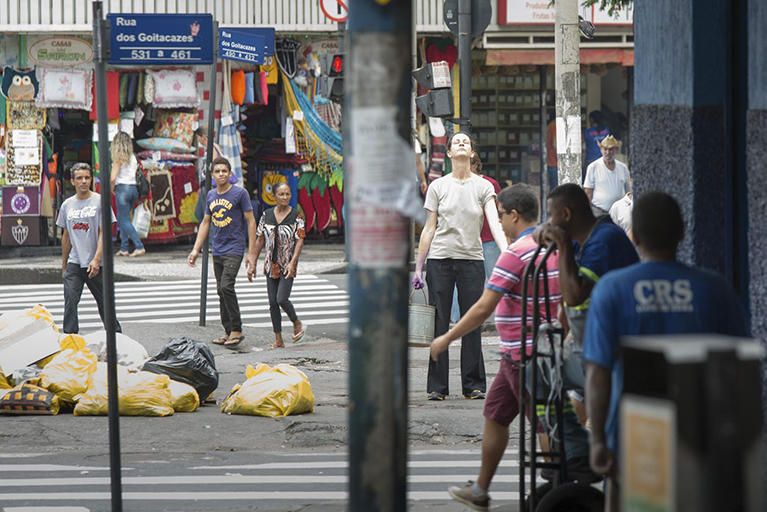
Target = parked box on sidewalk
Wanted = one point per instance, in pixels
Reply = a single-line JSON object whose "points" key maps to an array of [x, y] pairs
{"points": [[23, 230], [21, 201]]}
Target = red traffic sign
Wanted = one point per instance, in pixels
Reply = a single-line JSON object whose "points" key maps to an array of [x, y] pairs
{"points": [[335, 10]]}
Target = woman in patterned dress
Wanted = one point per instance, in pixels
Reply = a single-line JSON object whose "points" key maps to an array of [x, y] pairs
{"points": [[282, 231]]}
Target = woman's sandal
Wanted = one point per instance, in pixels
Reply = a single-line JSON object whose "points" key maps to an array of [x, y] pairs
{"points": [[276, 345], [221, 341], [299, 336], [233, 342]]}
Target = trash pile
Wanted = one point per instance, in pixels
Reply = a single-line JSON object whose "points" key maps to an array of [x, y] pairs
{"points": [[280, 391], [43, 371]]}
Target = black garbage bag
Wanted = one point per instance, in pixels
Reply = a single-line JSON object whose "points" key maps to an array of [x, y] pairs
{"points": [[187, 361]]}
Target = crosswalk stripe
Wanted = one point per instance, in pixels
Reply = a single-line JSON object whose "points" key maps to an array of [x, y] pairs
{"points": [[236, 479], [140, 284], [162, 293], [343, 464], [319, 300], [46, 509], [229, 496], [129, 305]]}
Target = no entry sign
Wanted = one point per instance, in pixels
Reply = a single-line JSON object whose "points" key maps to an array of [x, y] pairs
{"points": [[335, 10]]}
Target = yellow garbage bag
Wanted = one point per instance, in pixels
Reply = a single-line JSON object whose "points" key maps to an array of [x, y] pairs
{"points": [[20, 318], [73, 341], [280, 391], [69, 374], [28, 399], [4, 383], [183, 397], [140, 394]]}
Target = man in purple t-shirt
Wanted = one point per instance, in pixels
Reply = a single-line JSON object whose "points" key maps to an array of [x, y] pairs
{"points": [[228, 208]]}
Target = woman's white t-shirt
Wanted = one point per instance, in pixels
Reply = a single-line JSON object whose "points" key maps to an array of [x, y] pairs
{"points": [[127, 174], [460, 209]]}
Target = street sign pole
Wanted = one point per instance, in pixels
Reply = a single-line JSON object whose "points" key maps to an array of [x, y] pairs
{"points": [[377, 148], [206, 184], [107, 276], [464, 58]]}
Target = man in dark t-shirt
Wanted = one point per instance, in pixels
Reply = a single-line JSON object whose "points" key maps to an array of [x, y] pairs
{"points": [[229, 209]]}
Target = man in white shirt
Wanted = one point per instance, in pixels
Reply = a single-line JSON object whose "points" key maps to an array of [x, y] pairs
{"points": [[607, 180], [620, 213]]}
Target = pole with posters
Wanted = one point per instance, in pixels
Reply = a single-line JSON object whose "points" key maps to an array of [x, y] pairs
{"points": [[380, 157], [568, 91], [110, 320]]}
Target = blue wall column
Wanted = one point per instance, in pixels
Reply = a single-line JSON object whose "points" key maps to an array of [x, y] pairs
{"points": [[756, 164], [678, 119]]}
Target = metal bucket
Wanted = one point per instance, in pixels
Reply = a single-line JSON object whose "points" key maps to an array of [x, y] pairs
{"points": [[421, 320]]}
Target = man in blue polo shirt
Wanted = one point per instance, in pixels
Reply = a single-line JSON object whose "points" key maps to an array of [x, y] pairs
{"points": [[658, 296], [589, 247]]}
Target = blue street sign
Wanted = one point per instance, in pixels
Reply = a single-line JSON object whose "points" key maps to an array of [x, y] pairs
{"points": [[241, 45], [161, 39]]}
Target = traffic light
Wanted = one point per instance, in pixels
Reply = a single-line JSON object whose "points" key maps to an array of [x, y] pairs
{"points": [[438, 102], [332, 66]]}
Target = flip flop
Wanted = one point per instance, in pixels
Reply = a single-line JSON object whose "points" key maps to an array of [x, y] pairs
{"points": [[233, 342], [221, 341], [300, 336], [274, 346]]}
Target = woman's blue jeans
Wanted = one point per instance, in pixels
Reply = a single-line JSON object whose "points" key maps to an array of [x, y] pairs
{"points": [[125, 196]]}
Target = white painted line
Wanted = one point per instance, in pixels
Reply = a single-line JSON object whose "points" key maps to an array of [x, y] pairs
{"points": [[230, 496], [49, 467], [301, 314], [46, 509], [236, 479], [343, 464], [141, 284], [154, 313], [37, 297]]}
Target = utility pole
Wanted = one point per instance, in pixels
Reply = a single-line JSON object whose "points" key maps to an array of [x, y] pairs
{"points": [[377, 147], [100, 43], [568, 91], [464, 58]]}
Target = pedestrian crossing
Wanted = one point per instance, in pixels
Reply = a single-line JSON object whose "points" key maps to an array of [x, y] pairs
{"points": [[317, 301], [284, 479]]}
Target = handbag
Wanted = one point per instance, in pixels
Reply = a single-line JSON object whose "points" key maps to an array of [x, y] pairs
{"points": [[142, 218], [142, 183]]}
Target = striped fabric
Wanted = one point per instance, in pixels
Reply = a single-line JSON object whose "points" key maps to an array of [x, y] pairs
{"points": [[228, 136], [507, 279]]}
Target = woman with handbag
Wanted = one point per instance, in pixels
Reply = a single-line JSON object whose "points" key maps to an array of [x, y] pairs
{"points": [[124, 187], [281, 230]]}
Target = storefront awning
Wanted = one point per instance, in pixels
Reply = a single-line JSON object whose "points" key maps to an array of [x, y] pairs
{"points": [[546, 57]]}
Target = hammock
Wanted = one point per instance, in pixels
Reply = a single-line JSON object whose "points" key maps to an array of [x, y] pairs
{"points": [[318, 141]]}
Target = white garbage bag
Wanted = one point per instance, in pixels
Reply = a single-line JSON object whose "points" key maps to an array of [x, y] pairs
{"points": [[130, 353]]}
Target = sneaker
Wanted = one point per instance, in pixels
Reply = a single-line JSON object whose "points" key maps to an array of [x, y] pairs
{"points": [[467, 497], [475, 395], [436, 395]]}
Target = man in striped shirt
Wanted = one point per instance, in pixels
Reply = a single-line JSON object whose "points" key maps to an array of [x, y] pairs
{"points": [[518, 212]]}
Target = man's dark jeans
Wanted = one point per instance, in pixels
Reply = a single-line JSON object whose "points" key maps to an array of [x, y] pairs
{"points": [[225, 268], [74, 279], [469, 277]]}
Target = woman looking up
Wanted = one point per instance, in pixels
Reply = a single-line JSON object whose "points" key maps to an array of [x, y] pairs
{"points": [[282, 231], [457, 205], [124, 165]]}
